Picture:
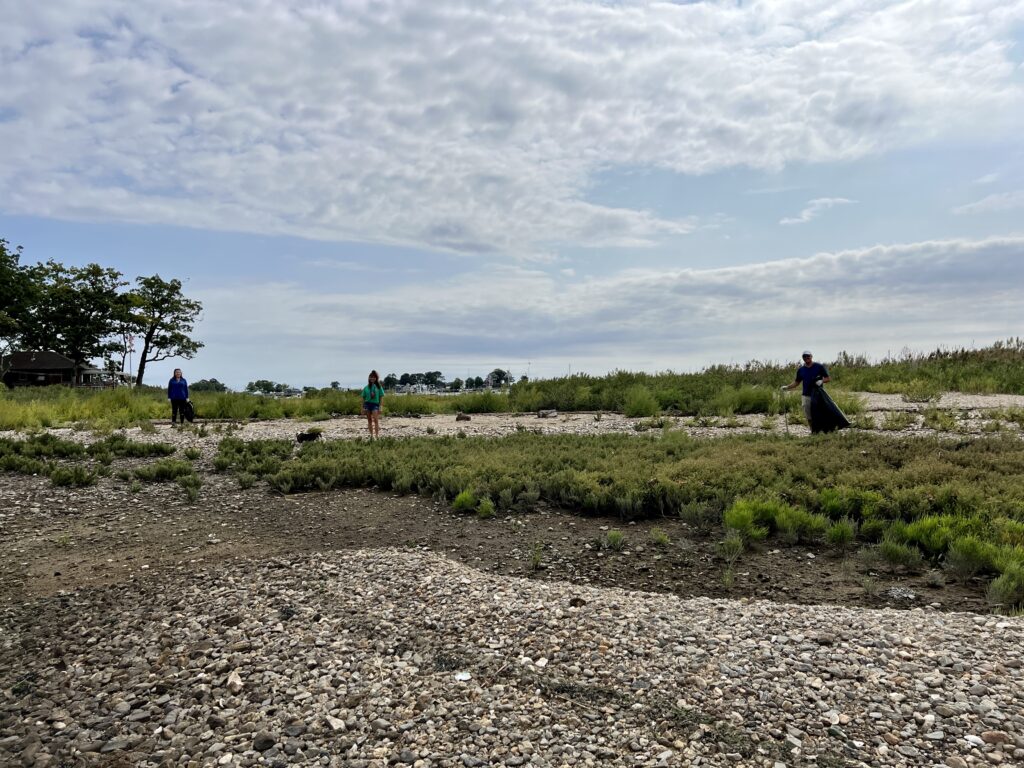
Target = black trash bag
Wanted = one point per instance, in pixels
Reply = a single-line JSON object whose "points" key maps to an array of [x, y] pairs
{"points": [[825, 414], [188, 411]]}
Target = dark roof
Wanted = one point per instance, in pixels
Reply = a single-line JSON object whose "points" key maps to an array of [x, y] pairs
{"points": [[38, 361]]}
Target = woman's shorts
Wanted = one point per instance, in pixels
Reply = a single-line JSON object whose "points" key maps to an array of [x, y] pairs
{"points": [[371, 407]]}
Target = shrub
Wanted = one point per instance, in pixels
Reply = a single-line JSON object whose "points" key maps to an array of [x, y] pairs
{"points": [[968, 556], [466, 501], [191, 485], [796, 525], [900, 555], [841, 533], [742, 517], [731, 547], [614, 540], [485, 509], [164, 470], [659, 537], [930, 533], [193, 453], [1007, 590], [939, 420], [639, 402], [76, 475], [246, 480]]}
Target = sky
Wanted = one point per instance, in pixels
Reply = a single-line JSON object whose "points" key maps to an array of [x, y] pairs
{"points": [[543, 186]]}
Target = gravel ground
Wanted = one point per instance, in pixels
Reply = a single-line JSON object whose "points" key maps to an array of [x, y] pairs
{"points": [[374, 658]]}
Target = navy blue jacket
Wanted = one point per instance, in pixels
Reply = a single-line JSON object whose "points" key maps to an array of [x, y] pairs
{"points": [[177, 389]]}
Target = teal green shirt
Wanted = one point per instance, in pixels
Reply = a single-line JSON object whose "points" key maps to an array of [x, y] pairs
{"points": [[373, 394]]}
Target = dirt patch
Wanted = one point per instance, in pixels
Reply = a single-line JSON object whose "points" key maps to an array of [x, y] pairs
{"points": [[57, 539]]}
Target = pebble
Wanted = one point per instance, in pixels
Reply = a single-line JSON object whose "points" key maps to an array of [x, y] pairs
{"points": [[406, 657]]}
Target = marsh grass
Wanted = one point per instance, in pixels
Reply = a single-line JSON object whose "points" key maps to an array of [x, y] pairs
{"points": [[919, 495], [721, 390], [896, 421]]}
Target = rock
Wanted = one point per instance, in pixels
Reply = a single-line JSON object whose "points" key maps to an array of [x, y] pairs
{"points": [[335, 724], [263, 741], [234, 683], [996, 737], [955, 762], [460, 416], [547, 414]]}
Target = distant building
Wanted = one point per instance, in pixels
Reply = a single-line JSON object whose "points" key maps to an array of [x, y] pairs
{"points": [[41, 369]]}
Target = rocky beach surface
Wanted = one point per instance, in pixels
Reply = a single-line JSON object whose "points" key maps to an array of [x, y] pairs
{"points": [[389, 657]]}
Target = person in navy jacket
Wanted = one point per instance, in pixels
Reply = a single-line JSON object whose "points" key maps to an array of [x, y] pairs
{"points": [[177, 393], [811, 375]]}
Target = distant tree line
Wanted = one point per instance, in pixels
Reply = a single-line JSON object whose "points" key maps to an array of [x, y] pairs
{"points": [[91, 312], [436, 380]]}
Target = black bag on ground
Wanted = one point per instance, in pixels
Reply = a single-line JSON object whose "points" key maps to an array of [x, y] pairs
{"points": [[825, 414], [188, 411]]}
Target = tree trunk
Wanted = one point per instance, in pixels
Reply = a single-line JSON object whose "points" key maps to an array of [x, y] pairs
{"points": [[146, 343]]}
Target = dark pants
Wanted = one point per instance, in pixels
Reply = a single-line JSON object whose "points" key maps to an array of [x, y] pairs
{"points": [[178, 407]]}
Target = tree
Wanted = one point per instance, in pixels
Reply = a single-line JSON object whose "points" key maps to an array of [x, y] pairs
{"points": [[477, 382], [456, 385], [208, 385], [523, 379], [265, 386], [76, 311], [164, 318], [390, 381], [433, 379], [335, 385], [404, 380], [497, 377], [17, 296]]}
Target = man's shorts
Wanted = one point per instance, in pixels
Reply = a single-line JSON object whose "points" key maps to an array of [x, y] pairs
{"points": [[371, 407]]}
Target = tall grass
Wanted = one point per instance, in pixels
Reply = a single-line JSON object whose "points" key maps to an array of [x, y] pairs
{"points": [[721, 390]]}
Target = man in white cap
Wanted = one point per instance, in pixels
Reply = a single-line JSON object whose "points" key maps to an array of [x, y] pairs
{"points": [[811, 375]]}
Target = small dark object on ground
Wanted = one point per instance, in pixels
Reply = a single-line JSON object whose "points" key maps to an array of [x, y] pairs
{"points": [[189, 411], [547, 414], [461, 416], [307, 437]]}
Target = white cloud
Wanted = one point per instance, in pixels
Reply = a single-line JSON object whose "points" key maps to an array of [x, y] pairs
{"points": [[988, 178], [471, 127], [1002, 201], [867, 300], [815, 208]]}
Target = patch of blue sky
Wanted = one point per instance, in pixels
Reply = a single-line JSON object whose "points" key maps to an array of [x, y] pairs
{"points": [[899, 197], [208, 258]]}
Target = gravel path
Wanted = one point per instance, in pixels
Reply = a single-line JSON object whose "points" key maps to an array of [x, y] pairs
{"points": [[373, 658]]}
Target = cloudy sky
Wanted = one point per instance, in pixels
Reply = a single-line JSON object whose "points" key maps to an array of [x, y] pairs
{"points": [[541, 186]]}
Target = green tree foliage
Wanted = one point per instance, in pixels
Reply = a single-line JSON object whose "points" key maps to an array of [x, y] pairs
{"points": [[456, 385], [335, 385], [498, 377], [164, 318], [17, 295], [208, 385], [77, 310], [265, 386]]}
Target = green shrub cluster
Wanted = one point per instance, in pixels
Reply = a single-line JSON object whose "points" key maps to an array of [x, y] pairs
{"points": [[39, 455], [922, 498], [164, 470]]}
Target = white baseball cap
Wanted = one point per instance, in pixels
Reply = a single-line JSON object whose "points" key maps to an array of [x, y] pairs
{"points": [[807, 353]]}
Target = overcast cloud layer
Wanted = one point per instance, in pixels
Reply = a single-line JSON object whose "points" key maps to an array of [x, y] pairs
{"points": [[535, 184], [875, 300], [474, 127]]}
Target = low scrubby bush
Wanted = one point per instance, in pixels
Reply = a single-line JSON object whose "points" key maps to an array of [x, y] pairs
{"points": [[742, 517], [465, 501], [164, 470], [900, 555], [1006, 591], [75, 475]]}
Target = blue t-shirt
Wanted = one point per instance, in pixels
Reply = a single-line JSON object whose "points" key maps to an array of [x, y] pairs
{"points": [[808, 374]]}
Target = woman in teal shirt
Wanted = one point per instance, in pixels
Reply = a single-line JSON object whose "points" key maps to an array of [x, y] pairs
{"points": [[373, 393]]}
